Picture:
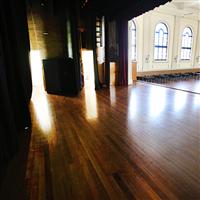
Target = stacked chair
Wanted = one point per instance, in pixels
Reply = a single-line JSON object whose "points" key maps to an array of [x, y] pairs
{"points": [[166, 78]]}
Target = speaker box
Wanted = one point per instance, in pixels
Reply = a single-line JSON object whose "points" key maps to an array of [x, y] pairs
{"points": [[61, 76], [52, 75]]}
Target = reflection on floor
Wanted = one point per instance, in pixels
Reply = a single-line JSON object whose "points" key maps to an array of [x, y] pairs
{"points": [[137, 142], [188, 85]]}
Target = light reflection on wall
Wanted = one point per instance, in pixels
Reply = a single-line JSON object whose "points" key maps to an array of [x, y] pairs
{"points": [[157, 101], [88, 68], [91, 104], [39, 99], [180, 100], [90, 94], [36, 68]]}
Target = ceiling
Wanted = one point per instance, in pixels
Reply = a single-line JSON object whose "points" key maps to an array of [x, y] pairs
{"points": [[185, 4], [184, 8], [123, 8]]}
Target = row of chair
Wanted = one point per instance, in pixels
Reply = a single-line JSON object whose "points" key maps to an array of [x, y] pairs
{"points": [[165, 78]]}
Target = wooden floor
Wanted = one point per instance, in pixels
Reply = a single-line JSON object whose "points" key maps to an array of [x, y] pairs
{"points": [[187, 85], [137, 142]]}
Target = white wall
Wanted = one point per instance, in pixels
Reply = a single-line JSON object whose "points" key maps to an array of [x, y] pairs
{"points": [[145, 27]]}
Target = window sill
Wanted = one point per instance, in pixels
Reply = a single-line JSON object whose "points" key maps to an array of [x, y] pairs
{"points": [[160, 61], [186, 60]]}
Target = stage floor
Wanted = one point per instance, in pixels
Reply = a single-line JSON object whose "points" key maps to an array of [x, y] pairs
{"points": [[136, 142], [192, 86]]}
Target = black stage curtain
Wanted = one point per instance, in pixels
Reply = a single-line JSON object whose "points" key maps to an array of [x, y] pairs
{"points": [[8, 131], [73, 16], [15, 76]]}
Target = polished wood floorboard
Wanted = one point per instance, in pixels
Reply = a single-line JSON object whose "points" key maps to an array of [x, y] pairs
{"points": [[191, 85], [137, 142]]}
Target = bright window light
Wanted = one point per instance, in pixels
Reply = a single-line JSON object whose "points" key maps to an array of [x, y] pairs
{"points": [[88, 68], [36, 68]]}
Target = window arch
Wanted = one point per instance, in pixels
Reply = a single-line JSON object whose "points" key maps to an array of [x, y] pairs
{"points": [[133, 40], [161, 42], [186, 44]]}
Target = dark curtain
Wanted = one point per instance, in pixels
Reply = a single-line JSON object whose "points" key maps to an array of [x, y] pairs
{"points": [[22, 46], [116, 49], [15, 46], [123, 51], [8, 131], [74, 22], [107, 58], [15, 76], [111, 46]]}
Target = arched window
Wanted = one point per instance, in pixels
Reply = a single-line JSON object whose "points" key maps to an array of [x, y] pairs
{"points": [[133, 40], [161, 42], [186, 45]]}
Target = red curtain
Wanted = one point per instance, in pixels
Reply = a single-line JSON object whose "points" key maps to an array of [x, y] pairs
{"points": [[123, 51]]}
